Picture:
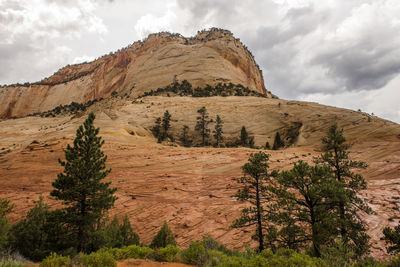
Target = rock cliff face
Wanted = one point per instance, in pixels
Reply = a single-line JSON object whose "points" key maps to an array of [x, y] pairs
{"points": [[209, 57]]}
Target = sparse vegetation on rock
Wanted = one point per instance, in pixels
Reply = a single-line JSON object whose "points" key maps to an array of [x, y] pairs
{"points": [[185, 88]]}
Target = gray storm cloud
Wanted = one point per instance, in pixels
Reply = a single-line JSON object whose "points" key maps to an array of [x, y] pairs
{"points": [[308, 49]]}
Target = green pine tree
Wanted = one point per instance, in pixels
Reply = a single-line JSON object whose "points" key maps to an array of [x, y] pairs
{"points": [[244, 136], [119, 235], [157, 128], [392, 239], [185, 136], [202, 126], [218, 131], [278, 143], [166, 124], [39, 233], [350, 226], [163, 238], [80, 186], [254, 183], [306, 212]]}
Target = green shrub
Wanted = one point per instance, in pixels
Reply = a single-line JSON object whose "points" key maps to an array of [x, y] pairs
{"points": [[130, 252], [394, 261], [196, 254], [211, 244], [55, 260], [215, 258], [167, 254], [11, 263], [369, 262], [95, 259]]}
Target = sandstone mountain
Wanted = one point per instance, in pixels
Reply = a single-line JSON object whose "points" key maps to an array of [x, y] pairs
{"points": [[190, 188], [210, 57]]}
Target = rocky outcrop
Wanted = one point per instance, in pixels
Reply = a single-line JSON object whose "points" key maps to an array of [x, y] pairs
{"points": [[209, 57]]}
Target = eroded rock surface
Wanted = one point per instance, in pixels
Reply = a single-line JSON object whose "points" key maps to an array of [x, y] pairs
{"points": [[210, 57]]}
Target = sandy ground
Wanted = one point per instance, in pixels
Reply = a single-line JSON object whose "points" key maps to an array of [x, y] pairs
{"points": [[192, 188]]}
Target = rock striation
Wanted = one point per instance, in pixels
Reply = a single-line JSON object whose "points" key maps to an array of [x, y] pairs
{"points": [[210, 57]]}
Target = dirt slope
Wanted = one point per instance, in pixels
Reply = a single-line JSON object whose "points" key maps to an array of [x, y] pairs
{"points": [[192, 188]]}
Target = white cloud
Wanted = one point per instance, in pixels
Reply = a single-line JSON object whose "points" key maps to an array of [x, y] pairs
{"points": [[82, 59], [151, 23], [343, 53], [33, 31]]}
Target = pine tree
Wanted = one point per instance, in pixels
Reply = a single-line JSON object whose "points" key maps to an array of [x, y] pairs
{"points": [[306, 212], [202, 126], [163, 238], [119, 235], [166, 123], [350, 226], [218, 131], [80, 187], [157, 128], [185, 137], [278, 143], [255, 179], [267, 145], [244, 136], [39, 233], [392, 239]]}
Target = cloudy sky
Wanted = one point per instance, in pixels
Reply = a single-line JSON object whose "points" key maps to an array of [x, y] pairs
{"points": [[342, 53]]}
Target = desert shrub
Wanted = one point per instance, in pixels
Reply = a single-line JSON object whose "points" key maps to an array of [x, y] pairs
{"points": [[215, 258], [196, 254], [368, 262], [211, 244], [167, 254], [95, 259], [130, 252], [11, 263], [394, 261], [55, 260]]}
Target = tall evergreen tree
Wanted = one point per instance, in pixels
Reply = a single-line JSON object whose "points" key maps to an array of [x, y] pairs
{"points": [[254, 183], [185, 136], [202, 125], [244, 136], [350, 226], [278, 143], [218, 131], [80, 186], [157, 128], [166, 122]]}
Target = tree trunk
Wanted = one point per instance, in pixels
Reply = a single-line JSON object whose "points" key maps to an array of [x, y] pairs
{"points": [[81, 231], [343, 231], [314, 235], [259, 223]]}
